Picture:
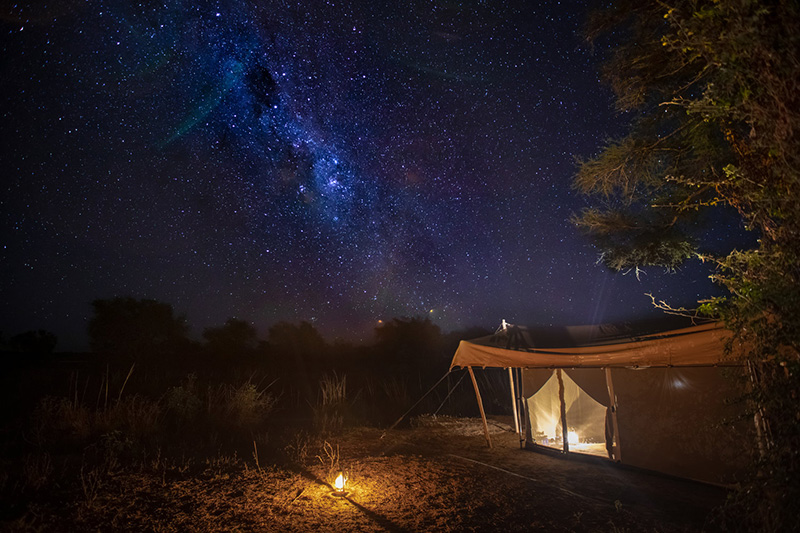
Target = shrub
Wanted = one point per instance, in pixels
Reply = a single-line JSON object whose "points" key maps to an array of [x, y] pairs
{"points": [[63, 422], [36, 470], [134, 415], [183, 402], [58, 421], [244, 406]]}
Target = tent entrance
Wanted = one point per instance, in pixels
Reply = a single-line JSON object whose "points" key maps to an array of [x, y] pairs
{"points": [[560, 402]]}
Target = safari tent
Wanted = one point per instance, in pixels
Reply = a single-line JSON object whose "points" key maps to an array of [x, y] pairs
{"points": [[660, 401]]}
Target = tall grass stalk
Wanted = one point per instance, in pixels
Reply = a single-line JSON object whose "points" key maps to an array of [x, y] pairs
{"points": [[331, 406], [121, 389], [333, 390]]}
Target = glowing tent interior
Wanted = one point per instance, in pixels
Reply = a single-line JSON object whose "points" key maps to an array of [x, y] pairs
{"points": [[658, 401]]}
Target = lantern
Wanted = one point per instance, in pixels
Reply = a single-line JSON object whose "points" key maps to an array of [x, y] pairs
{"points": [[339, 485]]}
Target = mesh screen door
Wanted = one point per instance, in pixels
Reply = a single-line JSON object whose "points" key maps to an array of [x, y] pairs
{"points": [[586, 418]]}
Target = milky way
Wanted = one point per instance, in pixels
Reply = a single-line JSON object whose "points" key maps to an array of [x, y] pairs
{"points": [[340, 163]]}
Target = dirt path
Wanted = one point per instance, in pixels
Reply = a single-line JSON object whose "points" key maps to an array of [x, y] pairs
{"points": [[439, 477]]}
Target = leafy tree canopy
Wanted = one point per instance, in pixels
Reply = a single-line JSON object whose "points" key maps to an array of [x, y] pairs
{"points": [[38, 342], [135, 328], [409, 334], [300, 339], [714, 91], [410, 343], [235, 337]]}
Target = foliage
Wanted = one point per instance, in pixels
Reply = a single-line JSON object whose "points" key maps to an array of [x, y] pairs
{"points": [[242, 406], [68, 422], [410, 344], [235, 337], [135, 328], [183, 402], [35, 342], [297, 345], [714, 91], [298, 349], [301, 339]]}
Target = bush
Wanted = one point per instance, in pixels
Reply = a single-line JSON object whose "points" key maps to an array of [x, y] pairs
{"points": [[183, 402], [243, 406], [60, 422]]}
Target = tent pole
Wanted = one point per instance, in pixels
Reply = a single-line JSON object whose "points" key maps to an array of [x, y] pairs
{"points": [[480, 406], [513, 400], [523, 413], [562, 401], [613, 399]]}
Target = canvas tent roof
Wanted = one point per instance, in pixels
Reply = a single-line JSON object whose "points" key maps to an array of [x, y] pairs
{"points": [[596, 347], [582, 389]]}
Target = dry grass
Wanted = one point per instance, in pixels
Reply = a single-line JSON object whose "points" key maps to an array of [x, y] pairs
{"points": [[429, 478], [216, 457], [243, 406], [332, 406]]}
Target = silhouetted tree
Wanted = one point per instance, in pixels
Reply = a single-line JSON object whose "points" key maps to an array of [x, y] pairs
{"points": [[714, 92], [302, 338], [299, 348], [410, 345], [137, 329], [236, 337], [38, 342]]}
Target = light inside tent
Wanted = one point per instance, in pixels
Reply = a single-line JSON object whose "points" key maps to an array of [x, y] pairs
{"points": [[572, 437], [586, 418]]}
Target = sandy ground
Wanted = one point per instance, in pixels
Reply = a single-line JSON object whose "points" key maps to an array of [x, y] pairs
{"points": [[436, 476]]}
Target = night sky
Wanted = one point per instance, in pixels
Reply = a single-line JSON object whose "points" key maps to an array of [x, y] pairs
{"points": [[341, 163]]}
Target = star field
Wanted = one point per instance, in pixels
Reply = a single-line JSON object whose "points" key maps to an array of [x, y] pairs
{"points": [[333, 162]]}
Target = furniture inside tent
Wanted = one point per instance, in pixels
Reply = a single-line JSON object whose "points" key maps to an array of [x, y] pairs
{"points": [[660, 401]]}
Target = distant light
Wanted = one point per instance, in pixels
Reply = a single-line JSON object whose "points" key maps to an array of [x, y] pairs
{"points": [[431, 311]]}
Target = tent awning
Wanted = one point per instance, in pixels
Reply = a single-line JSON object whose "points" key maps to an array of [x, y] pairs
{"points": [[701, 345]]}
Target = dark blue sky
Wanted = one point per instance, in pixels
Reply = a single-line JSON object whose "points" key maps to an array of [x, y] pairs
{"points": [[340, 163]]}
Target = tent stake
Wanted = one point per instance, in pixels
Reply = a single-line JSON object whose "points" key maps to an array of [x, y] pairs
{"points": [[513, 400], [480, 406]]}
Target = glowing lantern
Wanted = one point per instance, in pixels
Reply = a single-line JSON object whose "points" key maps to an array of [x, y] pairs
{"points": [[572, 437], [339, 483]]}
